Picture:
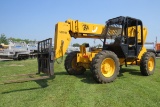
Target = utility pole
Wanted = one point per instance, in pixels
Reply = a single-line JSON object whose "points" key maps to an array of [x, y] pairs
{"points": [[94, 41], [156, 39]]}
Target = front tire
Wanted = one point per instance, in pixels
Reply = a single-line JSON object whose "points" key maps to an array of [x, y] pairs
{"points": [[105, 66], [71, 64], [147, 64]]}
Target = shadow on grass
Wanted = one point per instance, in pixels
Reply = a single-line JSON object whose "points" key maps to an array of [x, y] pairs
{"points": [[131, 71], [43, 83], [7, 92], [61, 73], [87, 77]]}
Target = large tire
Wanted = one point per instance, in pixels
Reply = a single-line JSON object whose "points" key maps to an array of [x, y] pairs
{"points": [[147, 64], [105, 66], [158, 54], [71, 64]]}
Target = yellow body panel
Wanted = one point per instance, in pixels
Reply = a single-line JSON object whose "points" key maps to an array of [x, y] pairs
{"points": [[62, 39], [132, 32], [122, 60], [73, 28], [84, 58], [85, 28]]}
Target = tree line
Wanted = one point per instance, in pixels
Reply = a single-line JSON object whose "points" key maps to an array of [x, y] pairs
{"points": [[5, 40], [78, 45]]}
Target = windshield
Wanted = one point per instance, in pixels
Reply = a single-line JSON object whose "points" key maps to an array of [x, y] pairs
{"points": [[113, 31]]}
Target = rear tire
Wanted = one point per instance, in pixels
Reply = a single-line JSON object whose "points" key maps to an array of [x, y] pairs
{"points": [[147, 64], [158, 55], [71, 64], [105, 67]]}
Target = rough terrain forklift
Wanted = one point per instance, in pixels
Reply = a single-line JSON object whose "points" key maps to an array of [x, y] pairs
{"points": [[127, 49]]}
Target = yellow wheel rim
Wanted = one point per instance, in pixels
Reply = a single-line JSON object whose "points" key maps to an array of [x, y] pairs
{"points": [[108, 67], [151, 64]]}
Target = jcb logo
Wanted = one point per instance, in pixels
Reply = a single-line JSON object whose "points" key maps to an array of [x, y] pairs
{"points": [[85, 27]]}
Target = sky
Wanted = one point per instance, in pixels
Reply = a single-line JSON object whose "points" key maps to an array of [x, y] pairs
{"points": [[36, 19]]}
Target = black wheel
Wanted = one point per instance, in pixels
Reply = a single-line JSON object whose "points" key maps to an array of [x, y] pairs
{"points": [[158, 54], [71, 64], [105, 66], [15, 59], [147, 64]]}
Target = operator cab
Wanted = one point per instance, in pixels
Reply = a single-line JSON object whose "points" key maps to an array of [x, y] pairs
{"points": [[127, 34]]}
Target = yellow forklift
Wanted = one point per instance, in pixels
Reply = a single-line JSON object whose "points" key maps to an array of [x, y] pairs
{"points": [[128, 48]]}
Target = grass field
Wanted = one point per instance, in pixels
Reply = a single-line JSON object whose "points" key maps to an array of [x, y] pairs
{"points": [[130, 89]]}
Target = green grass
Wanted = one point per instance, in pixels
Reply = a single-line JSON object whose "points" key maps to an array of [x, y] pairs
{"points": [[130, 89]]}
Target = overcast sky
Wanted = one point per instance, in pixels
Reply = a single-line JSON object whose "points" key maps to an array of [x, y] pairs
{"points": [[36, 19]]}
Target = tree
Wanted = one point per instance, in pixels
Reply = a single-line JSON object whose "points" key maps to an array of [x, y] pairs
{"points": [[99, 45], [3, 39], [15, 39], [27, 41], [76, 45], [85, 43], [19, 40]]}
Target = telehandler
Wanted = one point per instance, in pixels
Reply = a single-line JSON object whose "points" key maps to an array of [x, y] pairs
{"points": [[127, 49]]}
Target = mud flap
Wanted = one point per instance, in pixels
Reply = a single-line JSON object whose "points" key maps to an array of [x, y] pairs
{"points": [[45, 57]]}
